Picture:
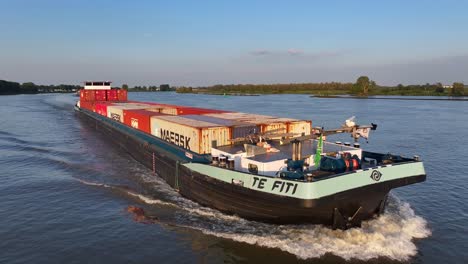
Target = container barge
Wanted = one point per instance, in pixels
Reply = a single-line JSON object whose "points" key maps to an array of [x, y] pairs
{"points": [[262, 168]]}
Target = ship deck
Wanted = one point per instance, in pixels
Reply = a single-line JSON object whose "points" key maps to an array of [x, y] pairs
{"points": [[309, 147]]}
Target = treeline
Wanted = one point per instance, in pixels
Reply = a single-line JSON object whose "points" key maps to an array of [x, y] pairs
{"points": [[437, 89], [7, 87], [362, 87], [153, 88], [332, 88]]}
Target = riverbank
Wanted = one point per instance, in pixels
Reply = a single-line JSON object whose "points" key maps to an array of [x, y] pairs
{"points": [[408, 98]]}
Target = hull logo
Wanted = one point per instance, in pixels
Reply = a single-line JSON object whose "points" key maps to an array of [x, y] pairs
{"points": [[376, 175]]}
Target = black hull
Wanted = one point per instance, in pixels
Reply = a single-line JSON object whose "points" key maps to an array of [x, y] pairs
{"points": [[341, 210]]}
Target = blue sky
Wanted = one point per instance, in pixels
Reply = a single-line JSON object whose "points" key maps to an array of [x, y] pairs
{"points": [[210, 42]]}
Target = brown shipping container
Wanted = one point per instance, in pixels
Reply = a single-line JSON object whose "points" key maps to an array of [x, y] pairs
{"points": [[139, 119], [193, 135]]}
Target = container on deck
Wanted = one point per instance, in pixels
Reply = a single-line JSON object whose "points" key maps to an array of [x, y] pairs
{"points": [[269, 123], [101, 108], [100, 95], [300, 127], [265, 123], [87, 95], [193, 135], [122, 95], [115, 111], [182, 110], [112, 95], [87, 105], [139, 119], [238, 128]]}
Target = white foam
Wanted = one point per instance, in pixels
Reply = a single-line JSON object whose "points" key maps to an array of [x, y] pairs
{"points": [[94, 183], [149, 200], [142, 197], [390, 235]]}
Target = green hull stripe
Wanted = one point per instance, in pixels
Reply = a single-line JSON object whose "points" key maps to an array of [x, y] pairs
{"points": [[311, 190]]}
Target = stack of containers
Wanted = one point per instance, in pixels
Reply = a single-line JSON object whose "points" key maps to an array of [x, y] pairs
{"points": [[112, 95], [298, 127], [87, 98], [269, 123], [100, 95], [139, 119], [115, 111], [122, 95], [193, 135], [266, 123], [238, 129], [87, 95]]}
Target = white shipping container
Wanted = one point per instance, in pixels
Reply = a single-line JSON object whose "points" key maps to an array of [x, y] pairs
{"points": [[193, 135]]}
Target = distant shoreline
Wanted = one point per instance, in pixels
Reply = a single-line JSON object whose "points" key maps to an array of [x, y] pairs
{"points": [[390, 98]]}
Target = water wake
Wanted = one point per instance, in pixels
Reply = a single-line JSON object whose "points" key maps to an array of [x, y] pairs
{"points": [[391, 235]]}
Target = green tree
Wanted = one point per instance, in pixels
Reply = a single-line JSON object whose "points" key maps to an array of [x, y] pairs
{"points": [[125, 86], [361, 86], [458, 89], [29, 87]]}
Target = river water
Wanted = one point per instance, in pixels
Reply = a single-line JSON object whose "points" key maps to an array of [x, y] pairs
{"points": [[64, 190]]}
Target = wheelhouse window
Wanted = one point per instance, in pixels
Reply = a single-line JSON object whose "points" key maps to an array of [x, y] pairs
{"points": [[98, 83], [88, 83]]}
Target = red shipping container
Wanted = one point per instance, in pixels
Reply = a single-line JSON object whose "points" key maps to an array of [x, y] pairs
{"points": [[89, 95], [101, 108], [112, 95], [122, 95], [87, 105], [139, 119], [82, 95], [100, 95]]}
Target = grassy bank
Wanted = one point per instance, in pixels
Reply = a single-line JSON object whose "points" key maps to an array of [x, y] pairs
{"points": [[328, 89]]}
